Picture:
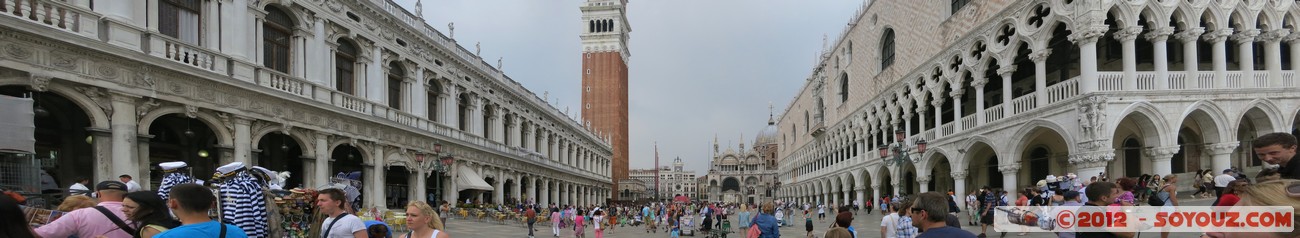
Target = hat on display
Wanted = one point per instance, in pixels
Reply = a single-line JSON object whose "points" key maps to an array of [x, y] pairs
{"points": [[172, 165], [230, 168], [1051, 178]]}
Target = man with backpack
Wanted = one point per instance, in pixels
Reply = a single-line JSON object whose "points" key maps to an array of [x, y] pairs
{"points": [[106, 219]]}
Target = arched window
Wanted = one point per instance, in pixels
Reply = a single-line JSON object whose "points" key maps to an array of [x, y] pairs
{"points": [[887, 49], [433, 92], [844, 87], [396, 74], [276, 36], [345, 63], [181, 19]]}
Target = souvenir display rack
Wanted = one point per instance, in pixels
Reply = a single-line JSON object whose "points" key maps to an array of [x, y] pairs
{"points": [[297, 213]]}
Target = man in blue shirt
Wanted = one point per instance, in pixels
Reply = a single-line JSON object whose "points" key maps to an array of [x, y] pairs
{"points": [[929, 213], [190, 203]]}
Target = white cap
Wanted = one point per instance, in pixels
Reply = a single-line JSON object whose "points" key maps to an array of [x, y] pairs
{"points": [[267, 172], [1051, 178], [172, 165], [231, 167]]}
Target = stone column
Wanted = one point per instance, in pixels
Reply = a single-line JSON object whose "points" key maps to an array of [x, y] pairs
{"points": [[322, 162], [102, 142], [875, 192], [518, 189], [1040, 76], [499, 188], [1005, 72], [1246, 55], [142, 164], [1273, 55], [1010, 173], [419, 96], [848, 196], [1219, 51], [897, 189], [1293, 40], [417, 181], [544, 192], [979, 83], [374, 178], [1222, 155], [374, 81], [959, 183], [1086, 37], [1161, 158], [243, 139], [1157, 36], [924, 181], [862, 195], [956, 106], [124, 127], [1126, 37], [1190, 38]]}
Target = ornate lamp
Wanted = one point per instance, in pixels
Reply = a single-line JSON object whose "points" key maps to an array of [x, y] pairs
{"points": [[901, 149]]}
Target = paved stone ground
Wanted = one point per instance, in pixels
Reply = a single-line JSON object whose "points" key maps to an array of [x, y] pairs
{"points": [[868, 225]]}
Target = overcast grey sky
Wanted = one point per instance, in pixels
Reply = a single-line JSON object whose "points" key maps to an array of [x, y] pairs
{"points": [[697, 67]]}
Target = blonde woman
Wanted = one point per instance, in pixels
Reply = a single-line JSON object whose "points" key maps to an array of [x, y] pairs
{"points": [[417, 213], [1284, 192]]}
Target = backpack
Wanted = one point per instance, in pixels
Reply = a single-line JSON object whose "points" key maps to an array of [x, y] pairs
{"points": [[1154, 200]]}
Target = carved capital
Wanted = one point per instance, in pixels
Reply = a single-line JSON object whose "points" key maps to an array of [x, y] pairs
{"points": [[1088, 34], [1162, 153], [1292, 38], [1222, 148], [1245, 36], [979, 82], [1006, 71], [1217, 36], [958, 175], [1128, 33], [924, 179], [1159, 34], [100, 97], [145, 107], [1092, 159], [1038, 56], [1190, 35], [1274, 35], [1009, 168]]}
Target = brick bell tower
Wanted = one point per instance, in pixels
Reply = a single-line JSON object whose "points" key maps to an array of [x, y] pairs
{"points": [[604, 78]]}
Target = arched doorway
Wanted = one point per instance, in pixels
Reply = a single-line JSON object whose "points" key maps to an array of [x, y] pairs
{"points": [[982, 167], [1253, 124], [180, 138], [1197, 130], [347, 164], [280, 152], [397, 187], [886, 182], [941, 179], [1133, 135], [63, 145], [1043, 153]]}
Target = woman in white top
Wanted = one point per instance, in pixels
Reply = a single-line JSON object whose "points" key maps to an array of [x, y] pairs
{"points": [[417, 213], [596, 221]]}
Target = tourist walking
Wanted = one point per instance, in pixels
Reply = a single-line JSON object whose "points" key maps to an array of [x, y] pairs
{"points": [[338, 223], [423, 222], [929, 213], [106, 219], [191, 203], [148, 213], [1278, 148], [555, 221]]}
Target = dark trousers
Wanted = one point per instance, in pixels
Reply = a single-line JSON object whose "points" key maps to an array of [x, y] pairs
{"points": [[530, 229], [1218, 193]]}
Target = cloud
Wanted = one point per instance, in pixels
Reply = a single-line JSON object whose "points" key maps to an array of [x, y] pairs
{"points": [[698, 68]]}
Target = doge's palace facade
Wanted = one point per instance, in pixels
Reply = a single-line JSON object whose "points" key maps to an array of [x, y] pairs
{"points": [[1007, 92], [314, 87]]}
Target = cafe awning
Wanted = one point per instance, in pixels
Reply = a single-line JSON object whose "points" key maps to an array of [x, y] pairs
{"points": [[469, 179]]}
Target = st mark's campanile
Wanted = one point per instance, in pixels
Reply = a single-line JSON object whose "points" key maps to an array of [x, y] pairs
{"points": [[604, 78]]}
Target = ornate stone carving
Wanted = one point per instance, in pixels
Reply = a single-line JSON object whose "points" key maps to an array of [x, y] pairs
{"points": [[226, 120], [145, 107], [40, 82], [144, 76], [1159, 34], [1245, 36], [1222, 148], [100, 97], [191, 111], [1274, 35], [959, 174], [1092, 159], [1190, 35], [63, 61], [107, 71], [1006, 70], [18, 52], [1128, 33], [1216, 36], [1092, 117], [1040, 55], [1088, 34], [1009, 168], [1162, 153]]}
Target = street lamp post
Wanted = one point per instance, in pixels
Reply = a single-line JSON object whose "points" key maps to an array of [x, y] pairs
{"points": [[902, 151], [441, 163]]}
